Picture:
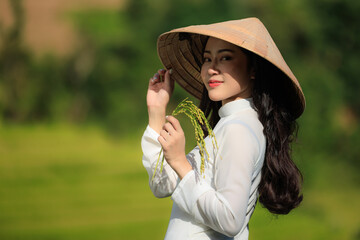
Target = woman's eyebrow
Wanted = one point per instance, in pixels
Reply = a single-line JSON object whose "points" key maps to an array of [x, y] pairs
{"points": [[220, 51]]}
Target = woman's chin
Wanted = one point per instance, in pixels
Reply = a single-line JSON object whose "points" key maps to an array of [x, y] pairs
{"points": [[215, 98]]}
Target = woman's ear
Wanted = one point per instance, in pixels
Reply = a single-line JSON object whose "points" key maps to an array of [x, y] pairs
{"points": [[252, 73]]}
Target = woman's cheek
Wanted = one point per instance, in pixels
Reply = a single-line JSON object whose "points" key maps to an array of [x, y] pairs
{"points": [[202, 75]]}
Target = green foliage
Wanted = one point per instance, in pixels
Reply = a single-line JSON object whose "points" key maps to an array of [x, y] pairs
{"points": [[105, 79], [66, 182], [197, 119]]}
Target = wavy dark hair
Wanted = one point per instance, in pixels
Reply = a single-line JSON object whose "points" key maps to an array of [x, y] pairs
{"points": [[281, 180]]}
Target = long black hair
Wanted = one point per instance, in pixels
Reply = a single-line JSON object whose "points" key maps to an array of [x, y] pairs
{"points": [[281, 180]]}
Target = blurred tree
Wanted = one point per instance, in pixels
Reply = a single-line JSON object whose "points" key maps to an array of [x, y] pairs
{"points": [[105, 79], [26, 87], [340, 50], [14, 61]]}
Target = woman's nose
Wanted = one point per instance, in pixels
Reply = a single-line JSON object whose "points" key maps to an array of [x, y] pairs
{"points": [[213, 68]]}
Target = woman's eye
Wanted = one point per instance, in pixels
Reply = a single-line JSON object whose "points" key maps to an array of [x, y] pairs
{"points": [[206, 59], [225, 58]]}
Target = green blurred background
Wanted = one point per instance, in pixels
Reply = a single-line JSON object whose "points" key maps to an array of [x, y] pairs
{"points": [[73, 79]]}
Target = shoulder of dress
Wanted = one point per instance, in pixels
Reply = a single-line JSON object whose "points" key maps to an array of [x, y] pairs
{"points": [[249, 119], [247, 122]]}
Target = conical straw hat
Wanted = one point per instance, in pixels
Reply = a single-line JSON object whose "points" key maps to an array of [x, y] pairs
{"points": [[181, 50]]}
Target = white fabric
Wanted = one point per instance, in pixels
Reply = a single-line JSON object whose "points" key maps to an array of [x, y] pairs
{"points": [[219, 203]]}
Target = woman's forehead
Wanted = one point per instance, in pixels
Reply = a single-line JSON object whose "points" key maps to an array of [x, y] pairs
{"points": [[216, 43]]}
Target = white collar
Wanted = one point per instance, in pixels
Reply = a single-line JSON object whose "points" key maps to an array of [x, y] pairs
{"points": [[235, 106]]}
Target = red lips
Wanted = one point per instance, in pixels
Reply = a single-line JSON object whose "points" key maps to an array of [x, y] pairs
{"points": [[214, 83]]}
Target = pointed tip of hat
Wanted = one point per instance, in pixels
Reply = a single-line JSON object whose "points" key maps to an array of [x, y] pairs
{"points": [[250, 20]]}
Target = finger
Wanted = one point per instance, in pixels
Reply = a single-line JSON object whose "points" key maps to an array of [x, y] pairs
{"points": [[155, 79], [174, 122], [162, 141], [167, 78], [161, 73], [156, 76], [164, 134], [169, 128], [151, 81]]}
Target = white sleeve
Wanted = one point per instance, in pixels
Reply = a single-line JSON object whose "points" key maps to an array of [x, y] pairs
{"points": [[163, 185], [224, 207]]}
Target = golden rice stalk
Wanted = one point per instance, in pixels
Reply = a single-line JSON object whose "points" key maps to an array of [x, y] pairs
{"points": [[197, 119]]}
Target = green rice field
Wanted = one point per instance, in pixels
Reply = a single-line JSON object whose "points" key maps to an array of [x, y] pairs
{"points": [[64, 182]]}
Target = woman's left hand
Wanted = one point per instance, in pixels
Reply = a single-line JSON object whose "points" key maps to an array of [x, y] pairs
{"points": [[172, 140]]}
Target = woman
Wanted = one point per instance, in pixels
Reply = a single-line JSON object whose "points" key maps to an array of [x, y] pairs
{"points": [[252, 100]]}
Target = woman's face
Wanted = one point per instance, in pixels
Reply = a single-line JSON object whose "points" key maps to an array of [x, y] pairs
{"points": [[225, 71]]}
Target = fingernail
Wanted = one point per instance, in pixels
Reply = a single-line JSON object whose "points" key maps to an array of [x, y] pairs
{"points": [[166, 116], [170, 71]]}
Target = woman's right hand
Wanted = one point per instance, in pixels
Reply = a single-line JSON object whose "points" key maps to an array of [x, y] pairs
{"points": [[158, 96], [160, 89]]}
